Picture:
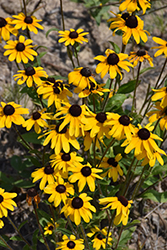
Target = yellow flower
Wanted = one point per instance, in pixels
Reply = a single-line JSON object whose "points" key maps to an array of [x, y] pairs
{"points": [[140, 56], [81, 77], [151, 162], [88, 141], [45, 174], [112, 166], [131, 25], [37, 120], [1, 224], [71, 243], [160, 94], [60, 139], [27, 22], [6, 28], [96, 89], [143, 143], [78, 207], [131, 5], [112, 64], [6, 202], [99, 237], [121, 126], [84, 174], [55, 91], [20, 50], [11, 112], [72, 115], [59, 191], [30, 75], [71, 36], [65, 160], [50, 227], [121, 204], [162, 48]]}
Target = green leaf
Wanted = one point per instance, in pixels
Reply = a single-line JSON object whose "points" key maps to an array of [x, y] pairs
{"points": [[104, 182], [64, 231], [6, 182], [35, 237], [16, 163], [152, 195], [16, 238], [32, 137], [115, 47], [52, 29], [22, 224], [23, 183], [6, 238], [115, 102], [127, 87], [132, 224], [26, 247], [125, 237], [159, 169], [145, 69]]}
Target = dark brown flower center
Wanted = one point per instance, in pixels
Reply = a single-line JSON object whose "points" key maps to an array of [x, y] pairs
{"points": [[1, 198], [51, 79], [61, 188], [20, 47], [50, 228], [93, 86], [75, 110], [32, 192], [143, 133], [113, 59], [28, 20], [8, 109], [2, 22], [124, 120], [63, 131], [111, 161], [125, 16], [141, 52], [77, 202], [85, 72], [66, 157], [48, 170], [99, 236], [57, 87], [86, 171], [101, 117], [123, 200], [36, 115], [30, 71], [131, 22], [71, 244], [73, 35]]}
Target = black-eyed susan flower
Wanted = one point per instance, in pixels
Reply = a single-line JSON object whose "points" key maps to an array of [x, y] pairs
{"points": [[162, 49], [11, 113], [59, 191], [130, 25], [20, 50], [121, 126], [27, 22], [100, 237], [143, 142], [50, 227], [140, 56], [96, 89], [60, 139], [46, 175], [63, 161], [72, 115], [111, 63], [37, 120], [71, 243], [122, 206], [81, 77], [152, 161], [160, 94], [30, 75], [78, 207], [6, 202], [6, 28], [132, 5], [112, 166], [1, 224], [71, 36], [55, 91], [32, 195], [95, 124], [84, 174]]}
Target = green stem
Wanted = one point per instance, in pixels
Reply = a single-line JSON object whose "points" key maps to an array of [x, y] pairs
{"points": [[94, 151], [2, 239], [72, 228], [77, 56], [25, 141], [94, 104], [84, 235], [145, 100], [109, 145], [123, 48], [109, 227], [120, 233], [62, 15], [24, 4], [11, 222], [40, 228], [137, 84], [69, 53], [106, 100]]}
